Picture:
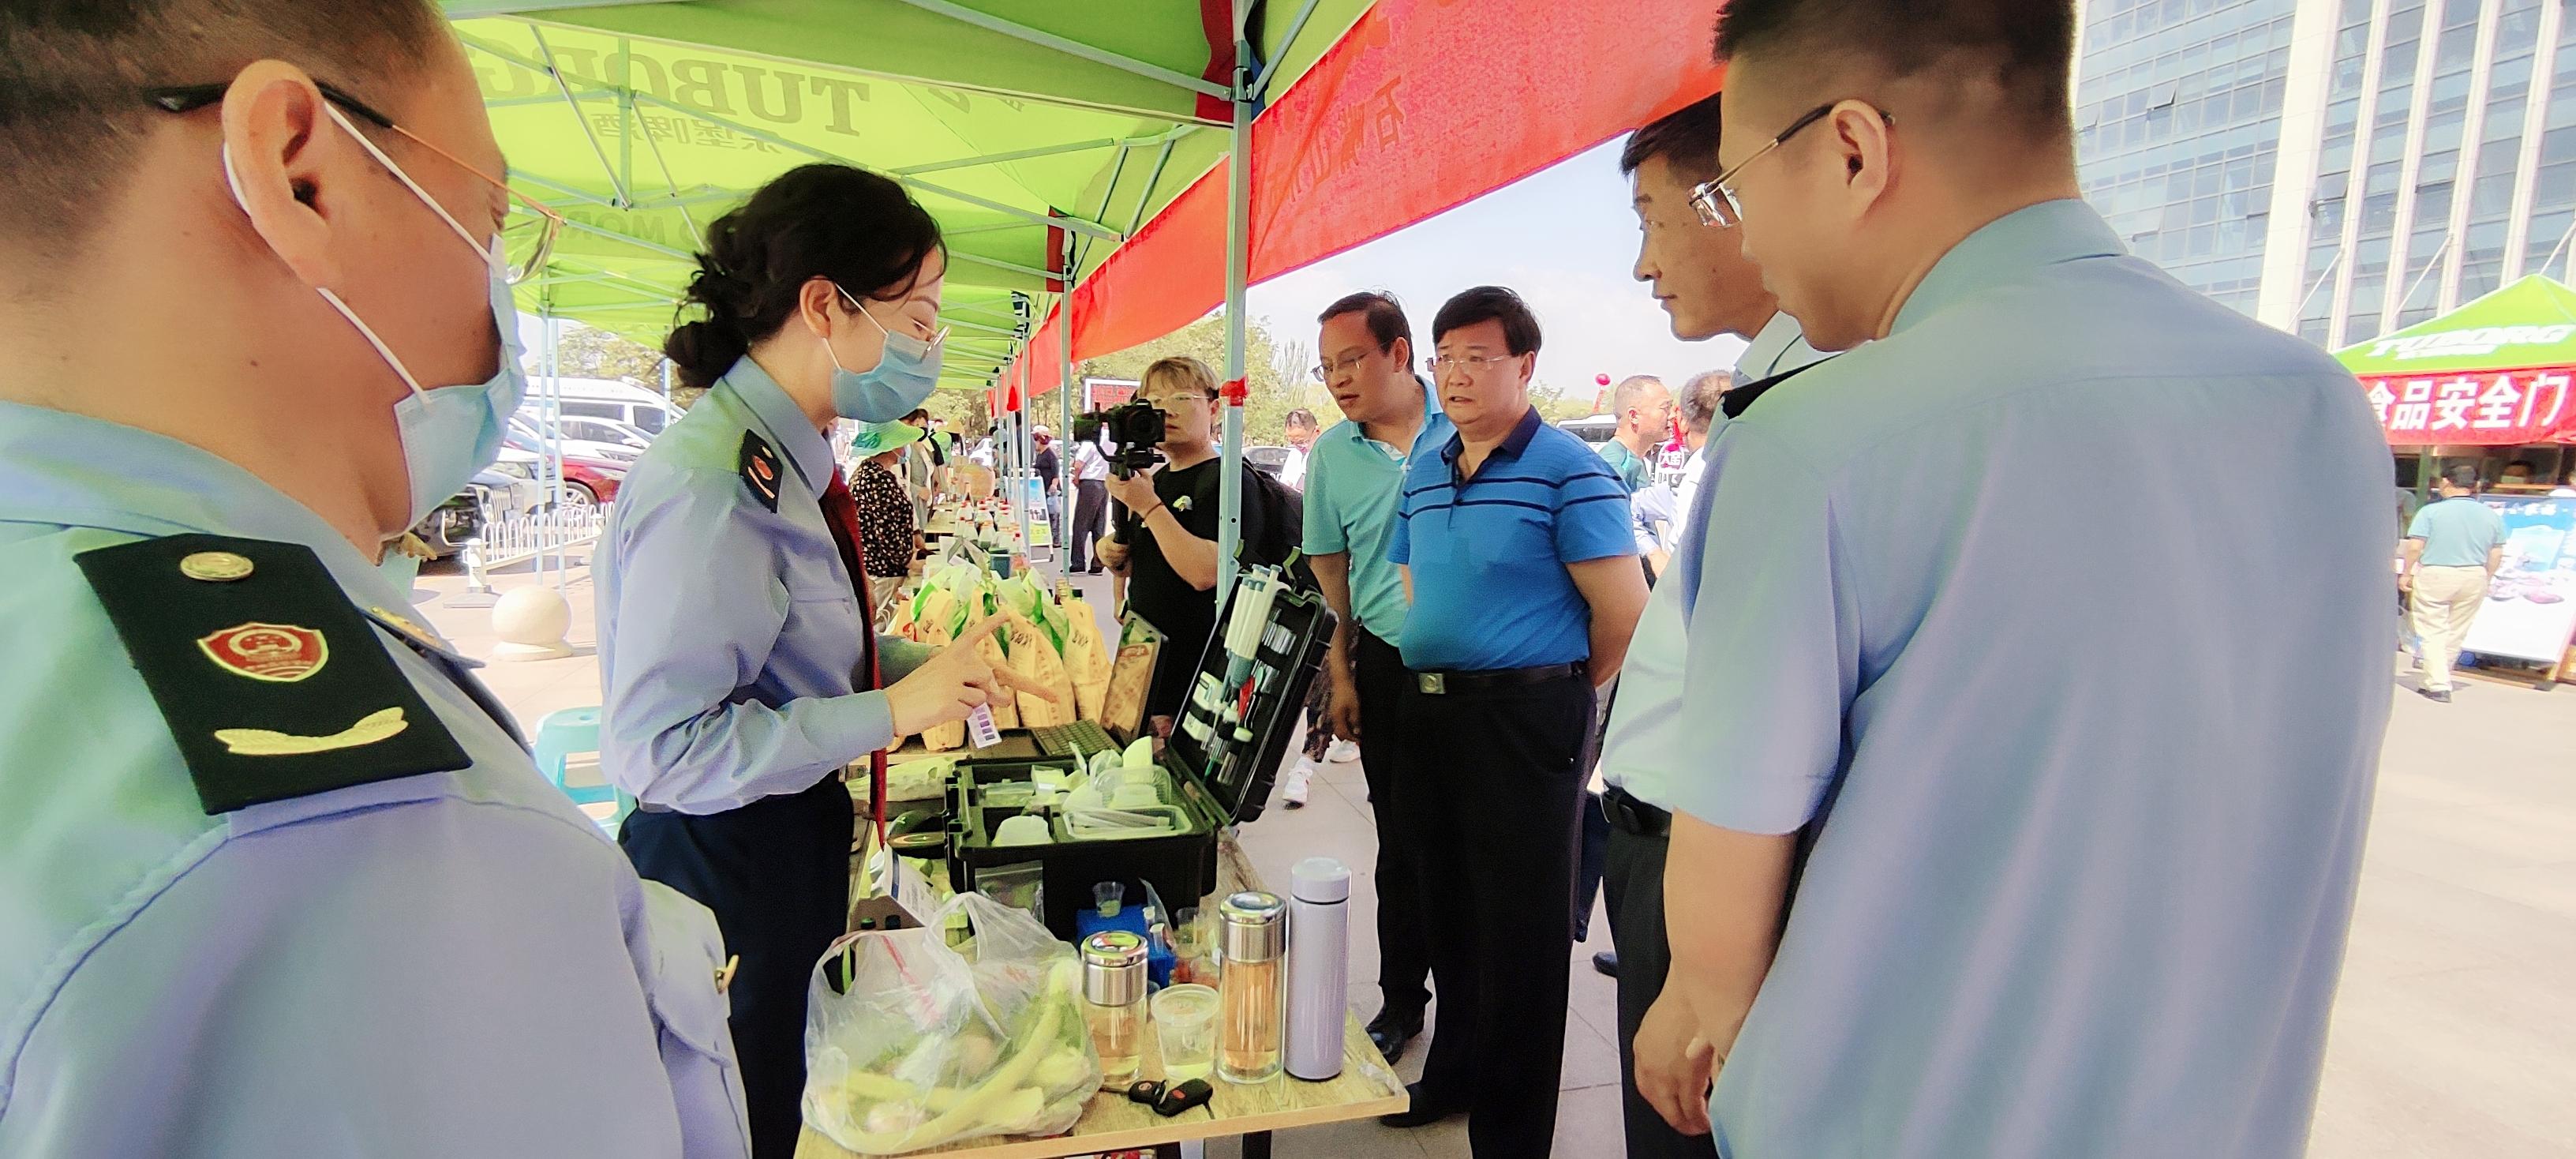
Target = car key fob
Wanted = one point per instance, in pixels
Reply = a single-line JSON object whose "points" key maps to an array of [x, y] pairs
{"points": [[1188, 1096], [1146, 1091]]}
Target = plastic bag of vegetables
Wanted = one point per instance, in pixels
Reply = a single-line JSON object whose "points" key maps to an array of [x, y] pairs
{"points": [[912, 1044]]}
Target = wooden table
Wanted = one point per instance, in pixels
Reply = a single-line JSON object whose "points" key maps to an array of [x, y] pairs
{"points": [[1366, 1088]]}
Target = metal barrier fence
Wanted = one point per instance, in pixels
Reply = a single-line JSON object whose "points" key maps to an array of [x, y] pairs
{"points": [[518, 536]]}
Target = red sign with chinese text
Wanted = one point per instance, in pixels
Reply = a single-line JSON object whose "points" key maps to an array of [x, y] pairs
{"points": [[2495, 408]]}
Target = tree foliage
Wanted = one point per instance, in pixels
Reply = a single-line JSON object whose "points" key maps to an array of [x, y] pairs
{"points": [[582, 352], [1275, 378]]}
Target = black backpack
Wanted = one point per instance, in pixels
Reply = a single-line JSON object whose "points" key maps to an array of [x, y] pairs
{"points": [[1283, 528]]}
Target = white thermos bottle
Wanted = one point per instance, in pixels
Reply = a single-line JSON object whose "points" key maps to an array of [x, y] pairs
{"points": [[1319, 967]]}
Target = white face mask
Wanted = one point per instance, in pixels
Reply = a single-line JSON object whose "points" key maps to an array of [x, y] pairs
{"points": [[451, 432]]}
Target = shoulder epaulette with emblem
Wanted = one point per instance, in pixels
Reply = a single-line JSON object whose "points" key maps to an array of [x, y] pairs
{"points": [[273, 683], [760, 469]]}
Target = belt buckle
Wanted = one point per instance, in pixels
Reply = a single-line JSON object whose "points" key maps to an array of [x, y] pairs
{"points": [[1432, 683]]}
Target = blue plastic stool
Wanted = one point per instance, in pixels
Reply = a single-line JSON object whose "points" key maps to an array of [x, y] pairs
{"points": [[564, 734]]}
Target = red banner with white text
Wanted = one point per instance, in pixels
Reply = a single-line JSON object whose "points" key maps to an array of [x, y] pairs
{"points": [[2479, 408], [1422, 106]]}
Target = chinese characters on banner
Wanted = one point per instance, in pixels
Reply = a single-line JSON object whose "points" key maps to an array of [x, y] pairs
{"points": [[2480, 408]]}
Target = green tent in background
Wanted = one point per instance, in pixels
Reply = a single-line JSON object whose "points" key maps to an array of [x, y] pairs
{"points": [[2496, 372], [1025, 128]]}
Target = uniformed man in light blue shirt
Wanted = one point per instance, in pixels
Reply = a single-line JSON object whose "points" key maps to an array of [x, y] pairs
{"points": [[2073, 814], [1698, 274], [277, 877], [1354, 479]]}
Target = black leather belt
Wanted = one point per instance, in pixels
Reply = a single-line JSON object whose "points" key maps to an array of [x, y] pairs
{"points": [[1634, 816], [1452, 683]]}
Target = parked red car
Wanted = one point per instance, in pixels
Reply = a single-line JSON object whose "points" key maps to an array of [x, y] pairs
{"points": [[587, 481]]}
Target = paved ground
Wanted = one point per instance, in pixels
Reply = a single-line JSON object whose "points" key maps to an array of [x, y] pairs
{"points": [[2455, 1030]]}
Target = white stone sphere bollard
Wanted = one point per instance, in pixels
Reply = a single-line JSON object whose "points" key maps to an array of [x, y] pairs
{"points": [[531, 623]]}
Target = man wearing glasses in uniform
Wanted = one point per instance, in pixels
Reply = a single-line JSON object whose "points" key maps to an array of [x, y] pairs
{"points": [[1514, 539], [276, 874], [2072, 813]]}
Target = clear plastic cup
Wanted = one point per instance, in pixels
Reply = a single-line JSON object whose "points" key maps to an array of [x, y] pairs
{"points": [[1185, 1023]]}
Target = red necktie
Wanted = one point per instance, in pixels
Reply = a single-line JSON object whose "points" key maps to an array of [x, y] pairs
{"points": [[841, 514]]}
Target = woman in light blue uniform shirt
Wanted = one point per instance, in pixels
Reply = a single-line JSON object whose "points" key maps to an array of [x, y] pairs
{"points": [[740, 675]]}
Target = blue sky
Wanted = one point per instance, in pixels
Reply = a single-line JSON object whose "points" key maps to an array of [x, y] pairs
{"points": [[1564, 238]]}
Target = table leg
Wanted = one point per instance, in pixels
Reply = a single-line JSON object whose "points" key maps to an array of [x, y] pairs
{"points": [[1256, 1145]]}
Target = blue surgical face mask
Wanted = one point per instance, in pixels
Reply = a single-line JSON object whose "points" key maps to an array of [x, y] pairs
{"points": [[451, 432], [902, 377]]}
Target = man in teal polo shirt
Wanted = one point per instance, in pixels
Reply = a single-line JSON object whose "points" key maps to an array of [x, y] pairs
{"points": [[1645, 409], [2453, 548], [1354, 477], [1515, 540]]}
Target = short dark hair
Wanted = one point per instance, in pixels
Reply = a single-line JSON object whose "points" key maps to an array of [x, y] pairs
{"points": [[2029, 44], [1385, 315], [1686, 140], [72, 75], [1300, 417], [1489, 304], [2463, 476], [919, 414]]}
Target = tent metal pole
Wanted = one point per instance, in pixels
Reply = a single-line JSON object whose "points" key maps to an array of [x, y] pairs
{"points": [[606, 167], [965, 15], [1238, 190], [1064, 409], [1152, 178], [1261, 84], [2431, 264], [1150, 139]]}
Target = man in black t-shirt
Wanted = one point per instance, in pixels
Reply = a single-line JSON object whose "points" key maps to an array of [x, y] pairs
{"points": [[1167, 545]]}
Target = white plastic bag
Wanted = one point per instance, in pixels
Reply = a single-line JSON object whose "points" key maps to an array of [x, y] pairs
{"points": [[927, 1045]]}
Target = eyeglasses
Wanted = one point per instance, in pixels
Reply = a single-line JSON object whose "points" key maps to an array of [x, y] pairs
{"points": [[527, 234], [1325, 370], [1471, 364], [1714, 199]]}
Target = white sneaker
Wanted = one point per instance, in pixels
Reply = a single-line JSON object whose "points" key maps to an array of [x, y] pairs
{"points": [[1342, 753], [1292, 788]]}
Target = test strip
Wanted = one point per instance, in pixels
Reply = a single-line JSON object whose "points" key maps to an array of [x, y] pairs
{"points": [[980, 727]]}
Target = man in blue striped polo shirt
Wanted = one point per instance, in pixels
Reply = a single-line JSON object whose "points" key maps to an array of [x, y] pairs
{"points": [[1516, 550]]}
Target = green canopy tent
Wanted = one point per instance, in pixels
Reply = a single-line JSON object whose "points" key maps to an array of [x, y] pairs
{"points": [[2495, 372], [1040, 135], [1077, 155]]}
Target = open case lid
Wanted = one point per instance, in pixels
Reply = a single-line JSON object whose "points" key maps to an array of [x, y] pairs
{"points": [[1287, 653]]}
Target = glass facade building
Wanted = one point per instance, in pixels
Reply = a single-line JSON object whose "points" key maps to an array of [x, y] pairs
{"points": [[2341, 168]]}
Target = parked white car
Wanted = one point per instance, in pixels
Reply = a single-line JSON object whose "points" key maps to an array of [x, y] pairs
{"points": [[605, 398], [614, 448]]}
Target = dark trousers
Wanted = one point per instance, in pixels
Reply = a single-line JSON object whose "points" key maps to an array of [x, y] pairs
{"points": [[1403, 933], [1090, 519], [777, 874], [1634, 879], [1596, 825], [1493, 785]]}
